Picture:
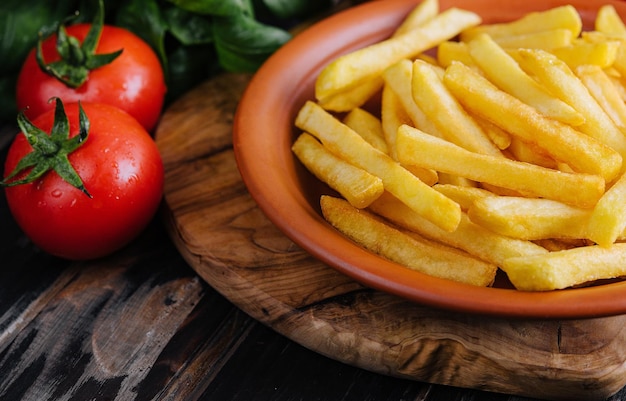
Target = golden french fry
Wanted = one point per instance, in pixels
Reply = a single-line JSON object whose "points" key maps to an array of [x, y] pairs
{"points": [[368, 126], [450, 51], [463, 195], [408, 250], [608, 219], [602, 54], [563, 17], [422, 13], [604, 91], [394, 115], [560, 141], [547, 40], [562, 82], [354, 68], [609, 22], [472, 238], [618, 83], [449, 179], [358, 186], [502, 70], [498, 136], [440, 107], [567, 268], [597, 37], [352, 97], [529, 218], [399, 77], [525, 152], [418, 148], [343, 141]]}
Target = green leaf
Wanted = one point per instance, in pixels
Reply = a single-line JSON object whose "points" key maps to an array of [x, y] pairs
{"points": [[145, 19], [190, 65], [246, 36], [216, 7], [286, 9], [189, 28], [21, 21]]}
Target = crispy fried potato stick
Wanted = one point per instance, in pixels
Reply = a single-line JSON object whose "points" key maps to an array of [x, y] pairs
{"points": [[560, 141], [608, 220], [346, 143], [567, 268], [529, 218], [547, 40], [354, 68], [410, 251], [394, 115], [398, 78], [601, 54], [470, 237], [609, 22], [440, 107], [502, 70], [562, 81], [358, 186], [421, 14], [418, 148], [563, 17], [346, 100], [368, 126], [605, 92]]}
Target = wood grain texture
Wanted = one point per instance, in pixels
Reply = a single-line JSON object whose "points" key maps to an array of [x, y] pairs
{"points": [[228, 241]]}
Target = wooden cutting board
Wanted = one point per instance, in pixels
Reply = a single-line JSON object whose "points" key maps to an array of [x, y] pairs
{"points": [[228, 241]]}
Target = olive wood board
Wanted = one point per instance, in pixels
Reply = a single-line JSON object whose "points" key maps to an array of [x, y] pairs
{"points": [[228, 241]]}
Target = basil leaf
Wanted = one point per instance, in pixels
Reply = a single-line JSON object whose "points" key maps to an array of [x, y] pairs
{"points": [[144, 18], [243, 43], [21, 21], [188, 28], [190, 65], [287, 9], [216, 7]]}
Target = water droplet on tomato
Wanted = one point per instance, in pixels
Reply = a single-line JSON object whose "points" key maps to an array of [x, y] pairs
{"points": [[56, 193]]}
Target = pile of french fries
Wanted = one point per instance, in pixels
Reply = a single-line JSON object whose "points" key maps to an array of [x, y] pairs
{"points": [[491, 146]]}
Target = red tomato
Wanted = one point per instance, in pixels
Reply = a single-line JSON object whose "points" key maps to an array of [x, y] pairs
{"points": [[119, 165], [134, 81]]}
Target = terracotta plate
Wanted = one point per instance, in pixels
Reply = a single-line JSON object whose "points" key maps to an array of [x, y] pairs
{"points": [[289, 196]]}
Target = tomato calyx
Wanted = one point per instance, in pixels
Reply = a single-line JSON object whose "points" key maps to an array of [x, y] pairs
{"points": [[77, 59], [50, 152]]}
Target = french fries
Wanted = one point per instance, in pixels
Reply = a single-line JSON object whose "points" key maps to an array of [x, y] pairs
{"points": [[409, 250], [504, 149], [346, 143], [418, 148], [564, 17], [501, 69], [354, 68], [566, 268], [562, 142], [358, 186]]}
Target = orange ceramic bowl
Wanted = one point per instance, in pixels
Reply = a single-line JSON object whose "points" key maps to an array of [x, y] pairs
{"points": [[289, 195]]}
